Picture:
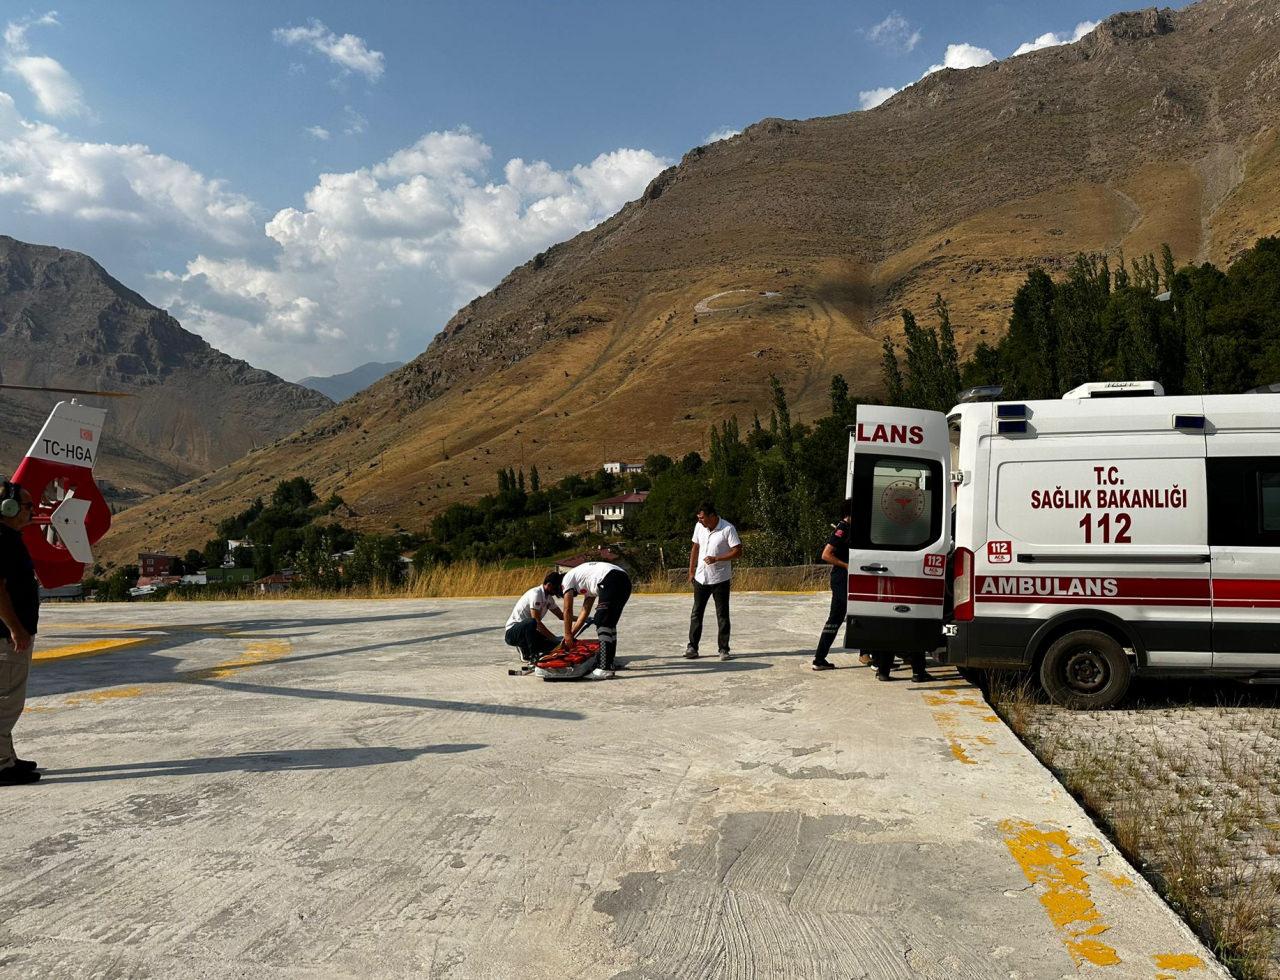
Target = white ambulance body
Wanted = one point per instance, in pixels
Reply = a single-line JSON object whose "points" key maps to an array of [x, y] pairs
{"points": [[1095, 538]]}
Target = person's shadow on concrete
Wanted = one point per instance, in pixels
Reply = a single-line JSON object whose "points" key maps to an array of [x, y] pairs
{"points": [[279, 761]]}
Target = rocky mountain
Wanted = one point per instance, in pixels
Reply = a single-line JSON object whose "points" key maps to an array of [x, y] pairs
{"points": [[340, 387], [65, 321], [790, 250]]}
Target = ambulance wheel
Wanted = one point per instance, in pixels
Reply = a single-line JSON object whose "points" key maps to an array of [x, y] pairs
{"points": [[1085, 670]]}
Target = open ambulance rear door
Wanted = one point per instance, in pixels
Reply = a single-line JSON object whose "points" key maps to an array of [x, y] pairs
{"points": [[899, 482]]}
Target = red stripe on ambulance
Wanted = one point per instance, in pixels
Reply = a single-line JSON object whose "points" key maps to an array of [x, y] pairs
{"points": [[897, 588]]}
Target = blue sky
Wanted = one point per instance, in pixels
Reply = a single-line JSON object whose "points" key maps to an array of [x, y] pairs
{"points": [[314, 185]]}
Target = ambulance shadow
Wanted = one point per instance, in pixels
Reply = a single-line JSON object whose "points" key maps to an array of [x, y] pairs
{"points": [[280, 761], [1158, 695]]}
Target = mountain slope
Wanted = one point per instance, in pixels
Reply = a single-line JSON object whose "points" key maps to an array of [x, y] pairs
{"points": [[340, 387], [790, 249], [65, 321]]}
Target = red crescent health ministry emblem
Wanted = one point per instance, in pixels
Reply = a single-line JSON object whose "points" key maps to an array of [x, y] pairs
{"points": [[902, 502]]}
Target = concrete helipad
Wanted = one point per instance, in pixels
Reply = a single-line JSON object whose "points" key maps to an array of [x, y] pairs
{"points": [[298, 789]]}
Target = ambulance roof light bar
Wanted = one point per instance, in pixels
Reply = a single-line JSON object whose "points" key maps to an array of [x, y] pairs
{"points": [[1116, 389]]}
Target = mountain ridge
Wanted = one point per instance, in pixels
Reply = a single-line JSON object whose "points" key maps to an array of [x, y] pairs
{"points": [[65, 321], [790, 249]]}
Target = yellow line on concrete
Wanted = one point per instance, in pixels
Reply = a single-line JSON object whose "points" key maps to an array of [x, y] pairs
{"points": [[89, 648], [1050, 860], [109, 694], [1176, 963], [254, 655]]}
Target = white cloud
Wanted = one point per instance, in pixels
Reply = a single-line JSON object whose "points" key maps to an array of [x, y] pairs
{"points": [[55, 91], [1052, 40], [874, 97], [378, 258], [318, 132], [895, 33], [723, 133], [44, 172], [962, 56], [348, 52], [353, 122]]}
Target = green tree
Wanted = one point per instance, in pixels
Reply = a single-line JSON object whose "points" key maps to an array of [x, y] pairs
{"points": [[375, 560], [891, 372]]}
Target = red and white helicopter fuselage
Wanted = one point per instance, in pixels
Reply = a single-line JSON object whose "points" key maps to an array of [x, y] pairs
{"points": [[70, 514]]}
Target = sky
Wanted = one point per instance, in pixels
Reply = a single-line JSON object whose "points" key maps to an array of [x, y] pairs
{"points": [[313, 185]]}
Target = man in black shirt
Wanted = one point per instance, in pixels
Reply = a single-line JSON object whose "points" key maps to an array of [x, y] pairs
{"points": [[835, 554], [19, 615]]}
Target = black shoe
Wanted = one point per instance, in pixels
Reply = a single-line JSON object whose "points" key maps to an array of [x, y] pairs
{"points": [[823, 665], [883, 677], [13, 776], [690, 653], [26, 765], [922, 678]]}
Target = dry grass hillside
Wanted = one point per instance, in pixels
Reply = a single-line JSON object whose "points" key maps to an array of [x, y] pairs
{"points": [[789, 250]]}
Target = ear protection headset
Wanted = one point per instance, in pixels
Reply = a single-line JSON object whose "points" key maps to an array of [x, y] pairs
{"points": [[10, 504]]}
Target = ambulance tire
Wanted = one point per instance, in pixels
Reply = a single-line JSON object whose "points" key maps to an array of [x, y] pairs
{"points": [[1085, 670]]}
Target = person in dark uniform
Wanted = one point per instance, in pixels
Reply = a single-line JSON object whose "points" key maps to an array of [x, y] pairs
{"points": [[19, 615], [835, 554]]}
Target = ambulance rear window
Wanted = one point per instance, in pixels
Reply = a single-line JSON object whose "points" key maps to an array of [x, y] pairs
{"points": [[1269, 499], [897, 502]]}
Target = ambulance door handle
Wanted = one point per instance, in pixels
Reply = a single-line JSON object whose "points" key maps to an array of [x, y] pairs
{"points": [[873, 568]]}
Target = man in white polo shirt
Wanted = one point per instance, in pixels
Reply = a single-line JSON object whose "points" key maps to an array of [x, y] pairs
{"points": [[715, 545], [525, 628]]}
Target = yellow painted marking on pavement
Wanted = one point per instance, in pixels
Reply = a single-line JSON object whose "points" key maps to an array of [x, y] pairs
{"points": [[90, 648], [254, 654], [1179, 962], [1123, 882], [109, 694], [991, 719], [955, 712], [1049, 859]]}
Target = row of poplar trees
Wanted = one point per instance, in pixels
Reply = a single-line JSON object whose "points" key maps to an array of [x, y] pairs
{"points": [[1196, 330]]}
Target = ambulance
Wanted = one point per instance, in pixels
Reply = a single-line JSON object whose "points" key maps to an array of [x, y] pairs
{"points": [[1112, 534]]}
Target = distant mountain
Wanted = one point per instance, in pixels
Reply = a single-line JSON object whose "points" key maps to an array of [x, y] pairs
{"points": [[340, 387], [65, 321], [790, 250]]}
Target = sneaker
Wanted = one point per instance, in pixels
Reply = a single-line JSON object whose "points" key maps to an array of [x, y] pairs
{"points": [[14, 776], [600, 674], [922, 678], [823, 665], [690, 653], [883, 677], [726, 655]]}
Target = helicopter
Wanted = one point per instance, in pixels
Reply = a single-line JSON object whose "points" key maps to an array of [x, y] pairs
{"points": [[70, 514]]}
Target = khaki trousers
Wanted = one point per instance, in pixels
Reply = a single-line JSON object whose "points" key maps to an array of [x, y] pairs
{"points": [[13, 696]]}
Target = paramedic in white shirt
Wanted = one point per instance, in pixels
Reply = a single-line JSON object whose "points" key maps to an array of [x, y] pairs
{"points": [[605, 587], [525, 628], [715, 545]]}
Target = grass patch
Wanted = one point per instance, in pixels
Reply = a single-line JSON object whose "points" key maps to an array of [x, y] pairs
{"points": [[474, 580]]}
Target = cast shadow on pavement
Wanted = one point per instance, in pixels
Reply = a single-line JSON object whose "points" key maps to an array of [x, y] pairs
{"points": [[147, 664], [280, 761], [399, 701]]}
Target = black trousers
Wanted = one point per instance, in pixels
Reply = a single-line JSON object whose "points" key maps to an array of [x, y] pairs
{"points": [[701, 593], [836, 617], [615, 590], [531, 643], [883, 661]]}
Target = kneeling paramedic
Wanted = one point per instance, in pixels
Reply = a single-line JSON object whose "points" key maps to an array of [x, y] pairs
{"points": [[605, 587], [525, 629]]}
